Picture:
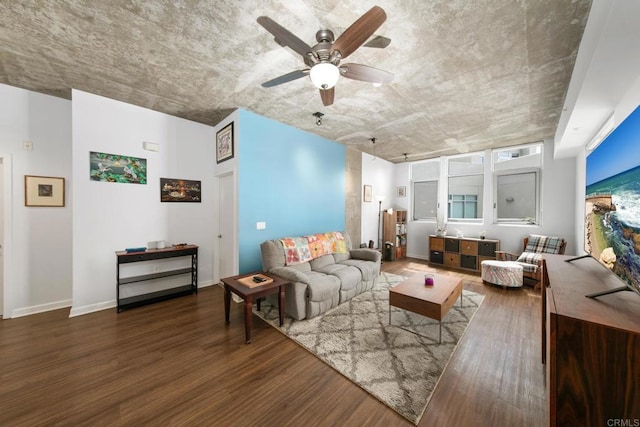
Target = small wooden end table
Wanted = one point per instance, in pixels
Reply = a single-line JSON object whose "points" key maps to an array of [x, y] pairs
{"points": [[430, 301], [251, 294]]}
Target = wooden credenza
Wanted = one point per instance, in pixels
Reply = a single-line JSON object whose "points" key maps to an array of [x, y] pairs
{"points": [[591, 346]]}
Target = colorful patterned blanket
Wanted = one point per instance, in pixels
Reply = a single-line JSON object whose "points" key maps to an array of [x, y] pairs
{"points": [[302, 249]]}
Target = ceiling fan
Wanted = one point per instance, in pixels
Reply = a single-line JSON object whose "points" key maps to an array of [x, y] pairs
{"points": [[324, 58]]}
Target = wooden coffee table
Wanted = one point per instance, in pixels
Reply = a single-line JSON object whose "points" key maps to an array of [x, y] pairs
{"points": [[430, 301], [251, 294]]}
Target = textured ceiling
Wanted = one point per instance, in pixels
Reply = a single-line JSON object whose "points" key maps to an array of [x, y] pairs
{"points": [[469, 74]]}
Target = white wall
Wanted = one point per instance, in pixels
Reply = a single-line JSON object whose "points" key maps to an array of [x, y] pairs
{"points": [[110, 217], [40, 270], [558, 209], [380, 175]]}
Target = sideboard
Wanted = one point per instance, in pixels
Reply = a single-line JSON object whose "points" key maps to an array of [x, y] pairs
{"points": [[591, 346]]}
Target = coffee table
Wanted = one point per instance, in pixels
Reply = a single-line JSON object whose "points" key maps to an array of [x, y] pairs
{"points": [[251, 294], [430, 301]]}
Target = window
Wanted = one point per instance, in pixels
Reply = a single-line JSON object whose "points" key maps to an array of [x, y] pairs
{"points": [[425, 199], [466, 182], [517, 184], [424, 177], [463, 206]]}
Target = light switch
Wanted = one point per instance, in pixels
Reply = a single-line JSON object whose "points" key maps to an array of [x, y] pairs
{"points": [[261, 225], [27, 145]]}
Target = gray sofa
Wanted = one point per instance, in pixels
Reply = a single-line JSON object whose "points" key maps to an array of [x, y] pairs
{"points": [[324, 282]]}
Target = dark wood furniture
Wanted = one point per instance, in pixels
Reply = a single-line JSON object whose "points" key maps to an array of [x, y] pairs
{"points": [[251, 294], [592, 345], [430, 301], [464, 253], [394, 230], [156, 276]]}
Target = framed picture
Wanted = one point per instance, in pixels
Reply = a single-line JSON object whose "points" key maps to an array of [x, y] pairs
{"points": [[224, 143], [180, 190], [117, 168], [367, 193], [43, 191], [402, 191]]}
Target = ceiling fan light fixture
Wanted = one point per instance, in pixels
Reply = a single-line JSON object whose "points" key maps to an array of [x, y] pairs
{"points": [[324, 75]]}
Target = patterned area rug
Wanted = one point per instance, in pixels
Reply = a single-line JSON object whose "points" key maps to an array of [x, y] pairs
{"points": [[399, 368]]}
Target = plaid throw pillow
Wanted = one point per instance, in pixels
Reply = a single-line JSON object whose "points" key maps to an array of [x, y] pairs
{"points": [[529, 258], [544, 244]]}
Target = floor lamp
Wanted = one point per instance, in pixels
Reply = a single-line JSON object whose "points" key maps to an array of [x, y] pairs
{"points": [[380, 199]]}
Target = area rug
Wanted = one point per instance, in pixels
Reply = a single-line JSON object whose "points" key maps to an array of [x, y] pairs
{"points": [[398, 367]]}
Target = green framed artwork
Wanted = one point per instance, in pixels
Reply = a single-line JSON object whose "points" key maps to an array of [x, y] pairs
{"points": [[117, 168]]}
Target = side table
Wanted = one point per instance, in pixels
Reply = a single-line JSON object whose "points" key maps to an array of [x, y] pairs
{"points": [[251, 294]]}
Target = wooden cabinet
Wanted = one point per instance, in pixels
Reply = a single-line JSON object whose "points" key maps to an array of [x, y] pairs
{"points": [[136, 285], [395, 231], [461, 253], [591, 346]]}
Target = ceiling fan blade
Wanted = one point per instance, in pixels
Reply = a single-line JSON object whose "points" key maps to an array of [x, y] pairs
{"points": [[285, 78], [283, 36], [365, 73], [379, 42], [327, 96], [358, 33]]}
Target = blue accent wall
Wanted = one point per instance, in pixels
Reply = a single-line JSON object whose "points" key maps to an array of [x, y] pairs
{"points": [[290, 179]]}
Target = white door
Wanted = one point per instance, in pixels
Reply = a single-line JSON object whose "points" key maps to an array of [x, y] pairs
{"points": [[226, 227]]}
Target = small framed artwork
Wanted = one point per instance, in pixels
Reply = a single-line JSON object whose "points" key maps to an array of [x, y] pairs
{"points": [[367, 193], [402, 191], [180, 190], [43, 191], [224, 143]]}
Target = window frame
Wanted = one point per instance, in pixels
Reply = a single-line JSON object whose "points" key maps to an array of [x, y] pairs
{"points": [[415, 193], [521, 221], [479, 197], [537, 171]]}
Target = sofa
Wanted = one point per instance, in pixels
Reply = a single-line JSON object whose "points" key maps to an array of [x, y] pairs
{"points": [[323, 269]]}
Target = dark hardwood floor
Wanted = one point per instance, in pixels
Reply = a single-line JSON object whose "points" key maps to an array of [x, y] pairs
{"points": [[176, 363]]}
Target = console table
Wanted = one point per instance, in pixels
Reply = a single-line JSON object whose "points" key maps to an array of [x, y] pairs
{"points": [[189, 273], [591, 347]]}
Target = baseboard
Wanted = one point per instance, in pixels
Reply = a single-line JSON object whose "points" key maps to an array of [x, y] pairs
{"points": [[27, 311], [418, 257], [91, 308], [206, 284], [87, 309]]}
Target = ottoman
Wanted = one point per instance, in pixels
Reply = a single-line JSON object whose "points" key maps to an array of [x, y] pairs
{"points": [[502, 273]]}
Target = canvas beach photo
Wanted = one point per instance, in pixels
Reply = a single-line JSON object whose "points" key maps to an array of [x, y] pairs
{"points": [[612, 201]]}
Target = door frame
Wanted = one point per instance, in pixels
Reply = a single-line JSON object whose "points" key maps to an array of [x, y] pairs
{"points": [[216, 260], [7, 244]]}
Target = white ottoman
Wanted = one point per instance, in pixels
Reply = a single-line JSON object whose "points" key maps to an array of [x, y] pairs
{"points": [[502, 273]]}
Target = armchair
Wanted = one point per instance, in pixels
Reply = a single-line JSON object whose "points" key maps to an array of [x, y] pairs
{"points": [[531, 257]]}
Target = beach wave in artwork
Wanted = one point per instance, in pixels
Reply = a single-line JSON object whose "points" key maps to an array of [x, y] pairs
{"points": [[628, 208]]}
